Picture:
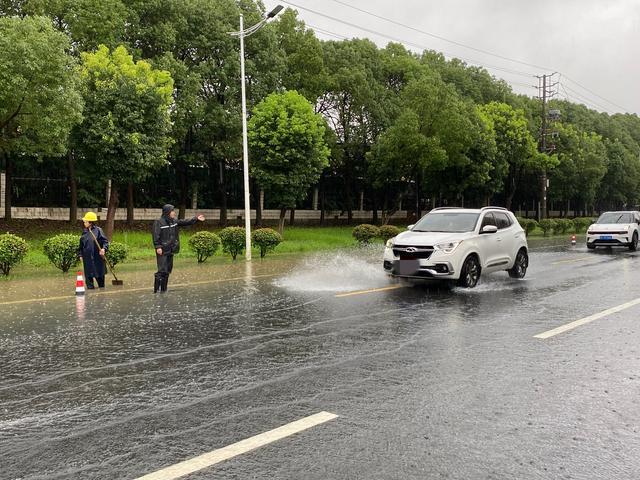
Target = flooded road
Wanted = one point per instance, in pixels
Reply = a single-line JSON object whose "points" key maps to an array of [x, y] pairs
{"points": [[426, 382]]}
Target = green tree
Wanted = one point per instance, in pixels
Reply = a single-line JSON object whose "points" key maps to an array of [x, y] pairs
{"points": [[436, 131], [357, 108], [190, 39], [516, 147], [39, 97], [288, 148], [304, 70], [126, 125]]}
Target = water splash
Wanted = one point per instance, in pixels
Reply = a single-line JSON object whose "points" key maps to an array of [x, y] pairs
{"points": [[336, 272]]}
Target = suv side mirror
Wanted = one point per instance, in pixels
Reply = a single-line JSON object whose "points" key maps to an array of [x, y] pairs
{"points": [[410, 227], [489, 229]]}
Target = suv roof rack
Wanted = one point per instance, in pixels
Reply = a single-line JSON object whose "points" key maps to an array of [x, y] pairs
{"points": [[494, 208], [463, 208]]}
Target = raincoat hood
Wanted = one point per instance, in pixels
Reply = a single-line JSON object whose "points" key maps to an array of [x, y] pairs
{"points": [[167, 209]]}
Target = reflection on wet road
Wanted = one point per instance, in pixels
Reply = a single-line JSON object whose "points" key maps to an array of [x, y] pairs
{"points": [[427, 382]]}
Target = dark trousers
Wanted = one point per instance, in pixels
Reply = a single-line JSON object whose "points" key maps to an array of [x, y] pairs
{"points": [[89, 281], [165, 267], [93, 270]]}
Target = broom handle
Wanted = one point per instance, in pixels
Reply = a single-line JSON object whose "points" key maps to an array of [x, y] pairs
{"points": [[105, 257]]}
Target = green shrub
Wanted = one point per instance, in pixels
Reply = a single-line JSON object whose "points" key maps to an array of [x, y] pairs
{"points": [[13, 249], [233, 240], [365, 233], [388, 231], [527, 224], [62, 251], [267, 239], [582, 223], [564, 225], [547, 225], [117, 253], [204, 244]]}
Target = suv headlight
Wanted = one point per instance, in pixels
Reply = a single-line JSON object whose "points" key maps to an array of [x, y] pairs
{"points": [[447, 247], [390, 243]]}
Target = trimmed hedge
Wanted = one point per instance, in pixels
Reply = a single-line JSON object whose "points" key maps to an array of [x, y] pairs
{"points": [[62, 251], [387, 232], [117, 253], [527, 224], [582, 223], [365, 233], [547, 225], [233, 240], [13, 249], [564, 225], [266, 239], [204, 244]]}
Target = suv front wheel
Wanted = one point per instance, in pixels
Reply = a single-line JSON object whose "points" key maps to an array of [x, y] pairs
{"points": [[633, 246], [470, 273]]}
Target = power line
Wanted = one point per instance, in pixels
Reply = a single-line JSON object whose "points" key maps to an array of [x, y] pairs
{"points": [[507, 71], [450, 41], [594, 93], [410, 43], [439, 37], [580, 99]]}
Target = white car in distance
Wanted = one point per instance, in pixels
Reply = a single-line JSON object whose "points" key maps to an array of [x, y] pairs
{"points": [[615, 229], [457, 244]]}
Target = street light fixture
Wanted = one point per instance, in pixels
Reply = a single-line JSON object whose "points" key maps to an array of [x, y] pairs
{"points": [[245, 144]]}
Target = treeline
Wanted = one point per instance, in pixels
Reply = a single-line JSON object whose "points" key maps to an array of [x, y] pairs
{"points": [[119, 90]]}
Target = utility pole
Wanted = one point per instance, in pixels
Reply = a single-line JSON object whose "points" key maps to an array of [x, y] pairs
{"points": [[546, 93]]}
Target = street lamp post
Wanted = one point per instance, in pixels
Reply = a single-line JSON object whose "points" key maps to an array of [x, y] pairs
{"points": [[245, 143]]}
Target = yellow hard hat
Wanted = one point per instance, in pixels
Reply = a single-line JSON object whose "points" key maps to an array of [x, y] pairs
{"points": [[90, 217]]}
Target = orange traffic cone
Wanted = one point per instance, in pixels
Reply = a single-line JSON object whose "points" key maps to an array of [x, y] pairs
{"points": [[79, 284], [573, 239]]}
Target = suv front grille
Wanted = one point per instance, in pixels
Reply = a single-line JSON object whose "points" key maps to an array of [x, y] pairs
{"points": [[407, 252]]}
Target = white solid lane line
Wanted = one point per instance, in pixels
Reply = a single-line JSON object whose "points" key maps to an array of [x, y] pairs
{"points": [[589, 319], [216, 456]]}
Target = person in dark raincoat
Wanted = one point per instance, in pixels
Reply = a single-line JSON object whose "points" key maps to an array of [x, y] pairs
{"points": [[92, 256], [166, 241]]}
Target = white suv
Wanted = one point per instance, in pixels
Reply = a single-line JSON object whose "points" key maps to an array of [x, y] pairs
{"points": [[459, 244], [615, 229]]}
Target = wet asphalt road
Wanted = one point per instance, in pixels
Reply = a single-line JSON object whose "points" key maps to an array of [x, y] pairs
{"points": [[428, 383]]}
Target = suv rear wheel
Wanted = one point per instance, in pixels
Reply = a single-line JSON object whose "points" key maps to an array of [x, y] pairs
{"points": [[519, 269], [470, 273]]}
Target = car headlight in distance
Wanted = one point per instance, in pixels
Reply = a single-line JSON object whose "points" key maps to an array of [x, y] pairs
{"points": [[447, 247], [390, 243]]}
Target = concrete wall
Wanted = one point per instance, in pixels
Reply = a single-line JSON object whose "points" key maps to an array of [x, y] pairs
{"points": [[302, 216]]}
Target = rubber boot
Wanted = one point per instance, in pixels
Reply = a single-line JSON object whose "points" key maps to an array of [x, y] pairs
{"points": [[157, 283], [164, 284]]}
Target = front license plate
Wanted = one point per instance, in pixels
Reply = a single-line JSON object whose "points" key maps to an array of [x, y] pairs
{"points": [[408, 267], [606, 237]]}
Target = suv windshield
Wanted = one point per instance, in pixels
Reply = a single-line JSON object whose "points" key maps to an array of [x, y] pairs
{"points": [[450, 222], [613, 217]]}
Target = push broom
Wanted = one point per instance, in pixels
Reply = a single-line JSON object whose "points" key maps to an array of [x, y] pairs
{"points": [[115, 280]]}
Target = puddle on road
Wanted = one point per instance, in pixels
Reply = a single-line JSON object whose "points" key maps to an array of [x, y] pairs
{"points": [[336, 272]]}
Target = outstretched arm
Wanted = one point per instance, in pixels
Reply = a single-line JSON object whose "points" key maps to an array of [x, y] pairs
{"points": [[191, 221]]}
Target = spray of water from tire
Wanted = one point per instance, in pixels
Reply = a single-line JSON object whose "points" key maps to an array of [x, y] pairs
{"points": [[340, 271]]}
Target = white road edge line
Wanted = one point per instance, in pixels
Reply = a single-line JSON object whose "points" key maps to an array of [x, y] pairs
{"points": [[589, 319], [221, 454]]}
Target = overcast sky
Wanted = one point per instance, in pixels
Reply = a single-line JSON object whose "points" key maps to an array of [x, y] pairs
{"points": [[595, 43]]}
